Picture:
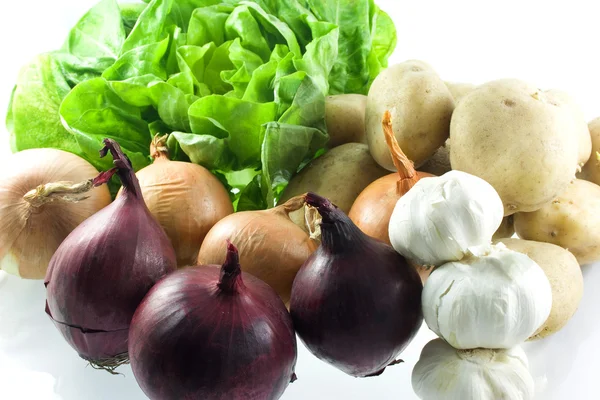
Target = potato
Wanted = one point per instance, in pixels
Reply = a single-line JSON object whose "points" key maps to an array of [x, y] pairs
{"points": [[570, 221], [439, 163], [585, 140], [339, 175], [517, 138], [459, 90], [506, 229], [591, 170], [566, 280], [421, 106], [345, 119]]}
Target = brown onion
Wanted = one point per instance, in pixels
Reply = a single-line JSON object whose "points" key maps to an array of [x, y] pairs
{"points": [[41, 193], [271, 246], [185, 198], [372, 209]]}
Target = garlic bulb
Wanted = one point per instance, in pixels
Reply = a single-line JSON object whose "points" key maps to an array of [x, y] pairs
{"points": [[441, 217], [494, 298], [444, 373]]}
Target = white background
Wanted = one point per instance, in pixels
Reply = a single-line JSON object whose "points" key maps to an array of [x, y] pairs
{"points": [[553, 44]]}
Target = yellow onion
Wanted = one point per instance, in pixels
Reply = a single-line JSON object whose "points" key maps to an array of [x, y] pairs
{"points": [[271, 246], [186, 199], [44, 195]]}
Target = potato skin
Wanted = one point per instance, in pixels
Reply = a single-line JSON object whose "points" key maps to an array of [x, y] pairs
{"points": [[570, 221], [591, 170], [421, 106], [563, 272], [458, 90], [439, 163], [517, 138], [340, 175], [506, 229], [345, 119]]}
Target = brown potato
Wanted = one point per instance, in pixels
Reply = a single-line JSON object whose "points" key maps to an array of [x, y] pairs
{"points": [[563, 272], [519, 139], [570, 221], [506, 229], [439, 163], [421, 106], [591, 170], [345, 119], [460, 90], [339, 175]]}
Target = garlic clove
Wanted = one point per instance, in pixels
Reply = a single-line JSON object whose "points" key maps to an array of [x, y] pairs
{"points": [[494, 298], [444, 373]]}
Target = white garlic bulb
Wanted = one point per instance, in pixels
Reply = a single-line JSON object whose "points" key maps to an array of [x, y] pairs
{"points": [[444, 373], [494, 298], [441, 217]]}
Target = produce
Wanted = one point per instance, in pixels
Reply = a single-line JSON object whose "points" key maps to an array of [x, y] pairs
{"points": [[439, 163], [494, 298], [563, 272], [104, 268], [271, 247], [458, 90], [44, 195], [421, 106], [519, 139], [241, 85], [373, 208], [340, 175], [440, 218], [569, 221], [506, 229], [345, 119], [444, 373], [185, 198], [355, 302], [591, 170], [212, 333]]}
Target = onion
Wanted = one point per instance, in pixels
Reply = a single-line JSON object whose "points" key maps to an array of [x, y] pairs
{"points": [[205, 333], [41, 193], [104, 268], [372, 209], [185, 198], [271, 246], [356, 303]]}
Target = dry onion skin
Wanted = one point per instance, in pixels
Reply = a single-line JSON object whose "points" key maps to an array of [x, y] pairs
{"points": [[271, 246], [44, 195], [185, 198]]}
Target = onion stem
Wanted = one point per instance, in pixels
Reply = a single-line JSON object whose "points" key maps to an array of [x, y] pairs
{"points": [[124, 167], [158, 147], [404, 166], [66, 191], [230, 280]]}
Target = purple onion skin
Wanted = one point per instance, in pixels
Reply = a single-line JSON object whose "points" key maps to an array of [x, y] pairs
{"points": [[356, 302], [104, 268], [195, 338]]}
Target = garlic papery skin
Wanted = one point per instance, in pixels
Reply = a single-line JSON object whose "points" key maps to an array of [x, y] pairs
{"points": [[444, 373], [441, 217], [494, 298]]}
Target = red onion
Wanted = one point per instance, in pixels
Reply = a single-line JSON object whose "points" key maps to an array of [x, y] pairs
{"points": [[104, 268], [205, 333], [355, 303]]}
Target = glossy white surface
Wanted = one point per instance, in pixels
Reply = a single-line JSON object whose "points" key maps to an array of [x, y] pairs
{"points": [[553, 45]]}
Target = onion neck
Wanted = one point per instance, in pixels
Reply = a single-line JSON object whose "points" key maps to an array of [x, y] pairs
{"points": [[406, 169], [338, 233], [125, 171], [230, 280], [159, 149], [68, 192]]}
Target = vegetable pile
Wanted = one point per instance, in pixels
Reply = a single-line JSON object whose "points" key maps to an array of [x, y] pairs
{"points": [[240, 85], [252, 144]]}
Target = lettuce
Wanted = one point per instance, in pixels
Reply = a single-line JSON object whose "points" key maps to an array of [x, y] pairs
{"points": [[240, 85]]}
